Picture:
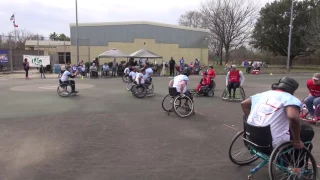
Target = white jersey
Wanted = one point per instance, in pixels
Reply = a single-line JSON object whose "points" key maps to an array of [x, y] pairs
{"points": [[65, 76], [126, 70], [133, 75], [268, 108], [149, 72], [137, 78], [177, 82]]}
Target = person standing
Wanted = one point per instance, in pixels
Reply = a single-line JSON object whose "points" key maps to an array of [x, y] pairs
{"points": [[114, 68], [172, 64], [41, 70], [181, 64], [26, 67], [197, 66]]}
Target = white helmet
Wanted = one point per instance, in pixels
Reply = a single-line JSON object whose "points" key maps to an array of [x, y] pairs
{"points": [[233, 66]]}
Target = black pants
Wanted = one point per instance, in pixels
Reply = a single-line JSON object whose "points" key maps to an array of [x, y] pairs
{"points": [[94, 73], [188, 93], [234, 86], [27, 72], [171, 71], [71, 82]]}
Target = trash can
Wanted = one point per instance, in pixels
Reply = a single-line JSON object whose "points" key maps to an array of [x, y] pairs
{"points": [[57, 68]]}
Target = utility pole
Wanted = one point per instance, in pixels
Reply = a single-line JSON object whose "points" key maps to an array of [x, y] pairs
{"points": [[77, 33], [290, 35]]}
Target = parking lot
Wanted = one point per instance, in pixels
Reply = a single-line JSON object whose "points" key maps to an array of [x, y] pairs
{"points": [[106, 133]]}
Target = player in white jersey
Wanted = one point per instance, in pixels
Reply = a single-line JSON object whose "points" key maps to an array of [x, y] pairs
{"points": [[180, 82], [139, 77], [132, 74], [65, 78], [281, 110]]}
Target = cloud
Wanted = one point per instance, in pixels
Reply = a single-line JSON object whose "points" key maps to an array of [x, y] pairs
{"points": [[44, 17]]}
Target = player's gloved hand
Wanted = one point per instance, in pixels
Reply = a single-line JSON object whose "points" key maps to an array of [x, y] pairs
{"points": [[182, 95]]}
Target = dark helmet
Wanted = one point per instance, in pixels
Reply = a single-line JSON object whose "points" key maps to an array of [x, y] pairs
{"points": [[286, 84], [67, 67], [186, 71]]}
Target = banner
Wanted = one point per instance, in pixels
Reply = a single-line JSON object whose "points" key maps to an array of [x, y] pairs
{"points": [[4, 56], [36, 61]]}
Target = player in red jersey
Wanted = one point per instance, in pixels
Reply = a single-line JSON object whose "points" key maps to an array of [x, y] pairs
{"points": [[234, 80], [207, 77], [313, 99]]}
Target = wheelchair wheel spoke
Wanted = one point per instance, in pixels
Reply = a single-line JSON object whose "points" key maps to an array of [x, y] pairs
{"points": [[290, 163], [239, 153]]}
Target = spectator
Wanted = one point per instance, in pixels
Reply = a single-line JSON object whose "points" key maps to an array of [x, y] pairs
{"points": [[41, 70], [172, 64], [114, 68], [105, 69], [26, 67]]}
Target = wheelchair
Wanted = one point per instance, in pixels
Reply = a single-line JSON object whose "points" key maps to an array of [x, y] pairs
{"points": [[240, 95], [64, 89], [257, 144], [105, 74], [94, 74], [304, 113], [175, 102], [207, 90]]}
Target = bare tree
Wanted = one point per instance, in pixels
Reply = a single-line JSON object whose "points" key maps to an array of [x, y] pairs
{"points": [[22, 36], [231, 21], [191, 19]]}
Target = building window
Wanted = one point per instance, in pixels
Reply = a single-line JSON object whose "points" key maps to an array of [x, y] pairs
{"points": [[61, 58]]}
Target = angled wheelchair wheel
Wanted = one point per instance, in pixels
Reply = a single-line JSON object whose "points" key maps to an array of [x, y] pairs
{"points": [[239, 152], [225, 94], [139, 91], [125, 78], [210, 93], [242, 93], [64, 90], [183, 106], [129, 86], [167, 103], [289, 163]]}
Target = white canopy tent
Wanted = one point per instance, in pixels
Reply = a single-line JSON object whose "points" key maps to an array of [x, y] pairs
{"points": [[114, 53], [144, 53]]}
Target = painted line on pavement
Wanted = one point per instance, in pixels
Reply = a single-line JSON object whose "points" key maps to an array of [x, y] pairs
{"points": [[230, 127]]}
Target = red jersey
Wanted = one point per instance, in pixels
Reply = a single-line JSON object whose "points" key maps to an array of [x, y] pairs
{"points": [[211, 73], [313, 88], [234, 76]]}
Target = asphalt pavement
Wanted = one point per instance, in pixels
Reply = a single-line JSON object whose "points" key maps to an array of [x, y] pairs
{"points": [[106, 133]]}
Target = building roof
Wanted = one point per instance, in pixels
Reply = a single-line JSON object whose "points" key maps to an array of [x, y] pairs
{"points": [[46, 43], [140, 22]]}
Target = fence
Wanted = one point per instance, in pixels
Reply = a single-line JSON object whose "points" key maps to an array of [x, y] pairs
{"points": [[60, 50]]}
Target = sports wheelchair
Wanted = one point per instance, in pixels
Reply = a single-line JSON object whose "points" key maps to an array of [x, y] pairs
{"points": [[240, 95], [304, 113], [206, 90], [64, 89], [175, 102], [257, 143], [141, 90]]}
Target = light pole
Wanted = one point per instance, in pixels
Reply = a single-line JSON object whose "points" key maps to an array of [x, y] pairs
{"points": [[77, 34], [290, 34]]}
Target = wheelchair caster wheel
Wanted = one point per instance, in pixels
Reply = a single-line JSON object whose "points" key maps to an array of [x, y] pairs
{"points": [[250, 177]]}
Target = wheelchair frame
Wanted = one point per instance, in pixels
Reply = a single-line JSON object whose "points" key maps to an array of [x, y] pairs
{"points": [[281, 150], [146, 90], [174, 97], [65, 89], [239, 93], [304, 113]]}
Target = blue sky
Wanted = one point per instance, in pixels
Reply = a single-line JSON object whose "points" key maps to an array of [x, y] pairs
{"points": [[46, 16]]}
